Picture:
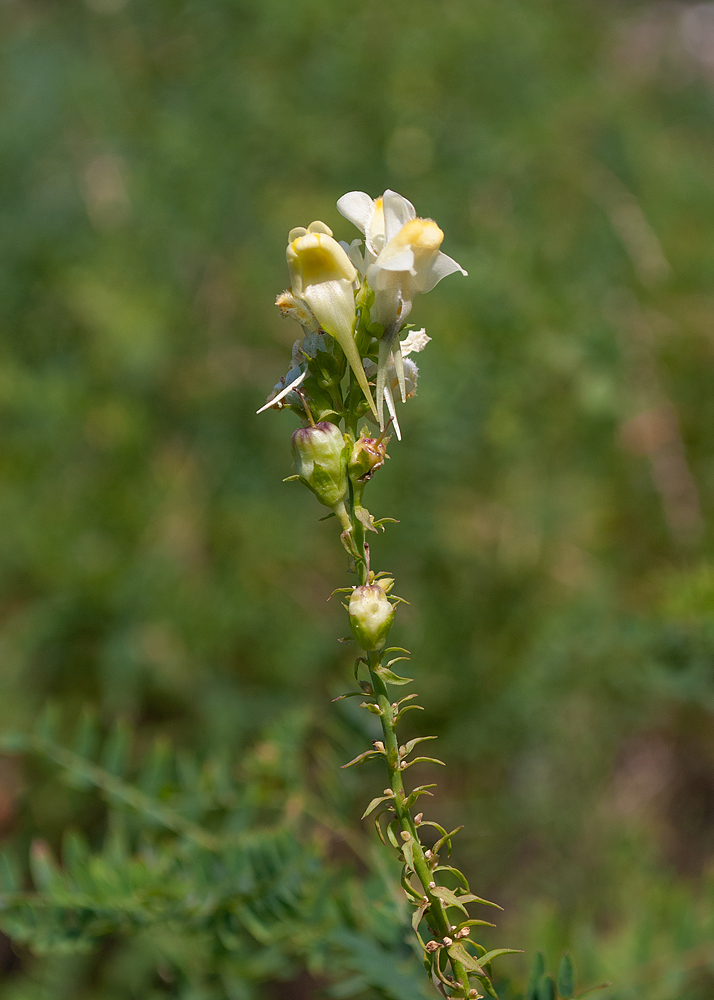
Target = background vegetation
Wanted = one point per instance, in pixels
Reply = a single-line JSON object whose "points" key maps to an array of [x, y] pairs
{"points": [[555, 488]]}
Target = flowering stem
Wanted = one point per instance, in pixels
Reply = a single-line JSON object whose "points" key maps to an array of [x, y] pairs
{"points": [[435, 913]]}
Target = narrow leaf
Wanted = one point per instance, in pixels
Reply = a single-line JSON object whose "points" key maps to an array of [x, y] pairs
{"points": [[474, 923], [361, 758], [592, 989], [374, 803], [446, 839], [419, 739], [470, 898], [546, 989], [459, 954], [449, 897], [418, 915], [408, 851], [423, 760], [390, 677], [454, 871], [497, 952], [413, 796], [407, 708], [566, 977]]}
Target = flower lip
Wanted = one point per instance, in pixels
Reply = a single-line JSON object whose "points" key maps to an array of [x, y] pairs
{"points": [[314, 258]]}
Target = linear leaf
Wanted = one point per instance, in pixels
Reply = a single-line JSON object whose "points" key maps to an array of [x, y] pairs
{"points": [[374, 803], [449, 897], [361, 758], [497, 952], [390, 677], [424, 760]]}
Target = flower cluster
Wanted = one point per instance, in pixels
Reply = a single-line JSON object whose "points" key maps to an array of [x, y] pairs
{"points": [[361, 299]]}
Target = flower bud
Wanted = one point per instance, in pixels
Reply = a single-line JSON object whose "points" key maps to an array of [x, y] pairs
{"points": [[321, 458], [368, 455], [371, 616]]}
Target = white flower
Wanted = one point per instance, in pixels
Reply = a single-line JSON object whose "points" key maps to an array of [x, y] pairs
{"points": [[402, 255], [323, 276], [402, 258]]}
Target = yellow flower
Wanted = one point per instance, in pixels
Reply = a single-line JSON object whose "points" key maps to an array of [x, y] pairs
{"points": [[323, 276]]}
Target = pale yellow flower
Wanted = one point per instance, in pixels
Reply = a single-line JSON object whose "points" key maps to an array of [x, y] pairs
{"points": [[323, 276]]}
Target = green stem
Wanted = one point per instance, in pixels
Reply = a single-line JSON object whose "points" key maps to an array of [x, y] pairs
{"points": [[436, 913]]}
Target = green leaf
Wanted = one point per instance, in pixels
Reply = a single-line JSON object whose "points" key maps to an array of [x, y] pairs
{"points": [[459, 953], [419, 739], [537, 972], [374, 803], [546, 988], [390, 677], [566, 977], [362, 758], [497, 952], [470, 898], [474, 923], [445, 839], [371, 707], [454, 871], [350, 694], [408, 851], [407, 708], [392, 829], [423, 760], [378, 827], [418, 914], [449, 897], [414, 795]]}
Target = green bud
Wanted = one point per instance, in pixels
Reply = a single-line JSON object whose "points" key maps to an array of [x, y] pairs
{"points": [[368, 455], [321, 458], [371, 616]]}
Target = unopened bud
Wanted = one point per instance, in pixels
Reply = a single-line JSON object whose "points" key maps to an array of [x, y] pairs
{"points": [[321, 459], [405, 835], [448, 942], [432, 946], [367, 456], [464, 932], [418, 818], [427, 853], [432, 885], [378, 745], [371, 616]]}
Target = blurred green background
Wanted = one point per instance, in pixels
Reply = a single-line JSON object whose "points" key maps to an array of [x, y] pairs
{"points": [[556, 479]]}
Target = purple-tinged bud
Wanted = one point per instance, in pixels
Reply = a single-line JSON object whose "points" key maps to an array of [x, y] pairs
{"points": [[371, 616], [368, 455], [321, 458]]}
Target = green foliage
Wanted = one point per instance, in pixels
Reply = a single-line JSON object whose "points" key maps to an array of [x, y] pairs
{"points": [[221, 886]]}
